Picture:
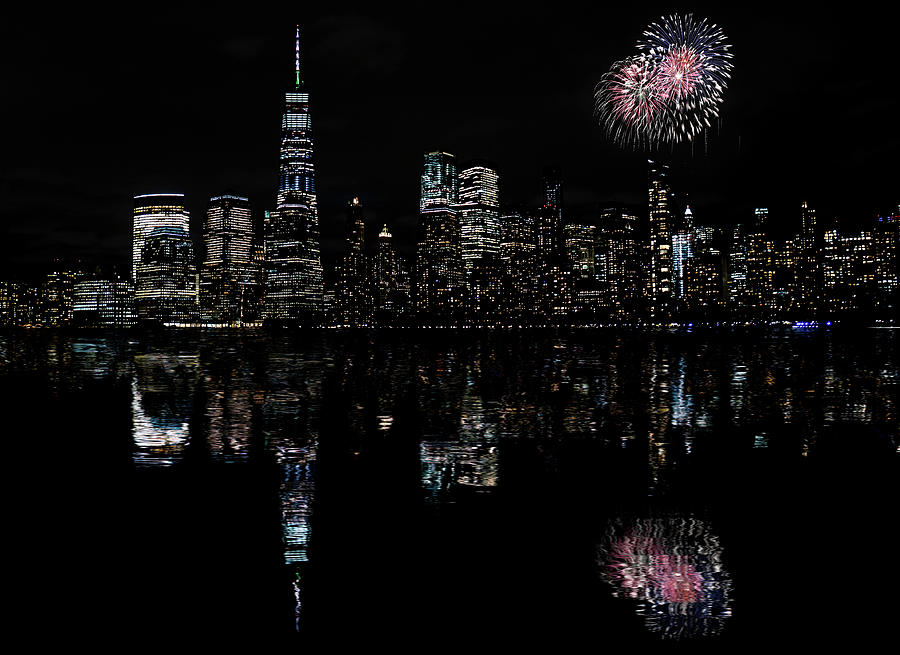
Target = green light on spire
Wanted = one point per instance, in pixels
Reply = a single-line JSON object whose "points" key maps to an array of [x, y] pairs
{"points": [[297, 56]]}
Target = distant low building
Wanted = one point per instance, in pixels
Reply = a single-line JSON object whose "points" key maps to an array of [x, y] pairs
{"points": [[104, 303]]}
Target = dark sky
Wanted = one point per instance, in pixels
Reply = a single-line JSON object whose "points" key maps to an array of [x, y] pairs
{"points": [[99, 107]]}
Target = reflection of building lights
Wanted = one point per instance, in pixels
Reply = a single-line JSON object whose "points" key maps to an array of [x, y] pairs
{"points": [[446, 466], [158, 440]]}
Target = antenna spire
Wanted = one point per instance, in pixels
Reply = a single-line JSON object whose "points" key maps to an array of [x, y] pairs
{"points": [[297, 56]]}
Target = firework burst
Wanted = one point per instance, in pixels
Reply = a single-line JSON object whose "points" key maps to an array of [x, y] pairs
{"points": [[629, 101], [671, 90]]}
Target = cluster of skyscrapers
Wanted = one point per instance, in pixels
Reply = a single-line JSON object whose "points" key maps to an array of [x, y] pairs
{"points": [[477, 262]]}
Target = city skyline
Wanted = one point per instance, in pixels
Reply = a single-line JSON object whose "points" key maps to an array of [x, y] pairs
{"points": [[313, 322], [39, 218], [537, 265]]}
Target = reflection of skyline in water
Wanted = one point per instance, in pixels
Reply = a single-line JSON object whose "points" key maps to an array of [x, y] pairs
{"points": [[673, 567], [471, 460], [628, 389], [473, 406], [162, 402]]}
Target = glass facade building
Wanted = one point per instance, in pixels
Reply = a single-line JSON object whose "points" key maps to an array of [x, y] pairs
{"points": [[353, 294], [104, 303], [166, 284], [479, 212], [230, 283], [153, 211], [439, 264], [682, 251], [659, 290]]}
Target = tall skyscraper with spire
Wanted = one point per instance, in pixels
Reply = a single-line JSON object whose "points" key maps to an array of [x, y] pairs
{"points": [[682, 251], [294, 288], [809, 275]]}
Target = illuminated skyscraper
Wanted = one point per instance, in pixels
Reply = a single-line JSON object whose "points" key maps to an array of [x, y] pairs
{"points": [[152, 211], [682, 251], [737, 267], [518, 253], [617, 239], [479, 212], [588, 300], [440, 183], [439, 267], [353, 297], [580, 240], [704, 281], [294, 287], [166, 288], [550, 217], [760, 266], [849, 271], [517, 234], [887, 264], [786, 278], [228, 231], [659, 288], [391, 282], [808, 262], [229, 279]]}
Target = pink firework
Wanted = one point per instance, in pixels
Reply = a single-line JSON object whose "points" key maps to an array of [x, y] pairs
{"points": [[629, 100], [672, 89], [678, 73]]}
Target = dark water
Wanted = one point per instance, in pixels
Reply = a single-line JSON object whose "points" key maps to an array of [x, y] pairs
{"points": [[436, 490]]}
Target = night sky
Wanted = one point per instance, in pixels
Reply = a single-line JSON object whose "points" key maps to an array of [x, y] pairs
{"points": [[97, 108]]}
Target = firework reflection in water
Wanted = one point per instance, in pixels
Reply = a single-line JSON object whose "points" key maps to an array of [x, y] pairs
{"points": [[673, 567]]}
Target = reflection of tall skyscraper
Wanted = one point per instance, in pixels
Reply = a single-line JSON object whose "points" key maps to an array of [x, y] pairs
{"points": [[660, 280], [162, 402], [294, 287], [152, 211], [439, 259]]}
